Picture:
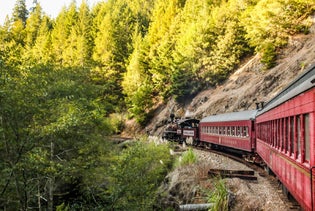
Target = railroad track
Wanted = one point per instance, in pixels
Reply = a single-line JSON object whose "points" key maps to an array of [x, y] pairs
{"points": [[248, 175]]}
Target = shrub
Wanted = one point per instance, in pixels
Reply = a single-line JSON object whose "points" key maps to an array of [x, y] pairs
{"points": [[188, 157], [219, 197]]}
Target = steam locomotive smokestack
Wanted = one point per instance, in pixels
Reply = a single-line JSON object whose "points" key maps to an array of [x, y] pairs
{"points": [[257, 106], [172, 116]]}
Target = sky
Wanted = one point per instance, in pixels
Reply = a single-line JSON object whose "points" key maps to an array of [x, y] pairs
{"points": [[50, 7]]}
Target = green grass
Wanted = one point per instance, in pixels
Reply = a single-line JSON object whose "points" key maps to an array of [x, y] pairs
{"points": [[188, 158], [219, 196]]}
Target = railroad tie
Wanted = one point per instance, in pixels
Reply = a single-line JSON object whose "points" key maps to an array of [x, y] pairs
{"points": [[242, 174]]}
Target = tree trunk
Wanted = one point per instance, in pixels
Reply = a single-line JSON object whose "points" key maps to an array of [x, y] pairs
{"points": [[51, 181]]}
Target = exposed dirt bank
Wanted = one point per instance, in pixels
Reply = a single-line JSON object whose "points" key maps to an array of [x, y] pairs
{"points": [[246, 86]]}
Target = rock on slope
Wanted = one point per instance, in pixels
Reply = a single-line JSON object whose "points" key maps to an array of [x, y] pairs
{"points": [[248, 85]]}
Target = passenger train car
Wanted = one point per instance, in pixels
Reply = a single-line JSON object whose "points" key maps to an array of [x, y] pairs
{"points": [[285, 130], [282, 133], [235, 130]]}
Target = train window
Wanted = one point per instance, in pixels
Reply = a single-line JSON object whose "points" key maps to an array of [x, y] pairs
{"points": [[291, 135], [275, 144], [274, 134], [298, 133], [307, 136], [286, 134], [282, 133], [246, 132]]}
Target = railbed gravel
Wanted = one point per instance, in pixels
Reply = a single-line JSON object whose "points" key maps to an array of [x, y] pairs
{"points": [[262, 194]]}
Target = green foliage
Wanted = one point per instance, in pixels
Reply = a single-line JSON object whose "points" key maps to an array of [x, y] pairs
{"points": [[65, 81], [136, 174], [188, 158], [117, 122], [20, 12], [269, 23], [219, 197], [268, 55], [49, 117]]}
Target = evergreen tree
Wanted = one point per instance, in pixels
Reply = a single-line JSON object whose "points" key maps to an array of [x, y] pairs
{"points": [[161, 41], [136, 83], [84, 34], [59, 36], [32, 25], [41, 51], [20, 12]]}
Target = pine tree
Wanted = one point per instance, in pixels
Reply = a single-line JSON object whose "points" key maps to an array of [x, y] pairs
{"points": [[32, 25], [59, 37], [41, 51], [20, 12]]}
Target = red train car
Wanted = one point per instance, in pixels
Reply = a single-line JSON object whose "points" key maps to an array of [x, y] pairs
{"points": [[235, 130], [285, 130]]}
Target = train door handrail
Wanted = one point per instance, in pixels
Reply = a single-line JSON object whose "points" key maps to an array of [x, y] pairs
{"points": [[312, 188]]}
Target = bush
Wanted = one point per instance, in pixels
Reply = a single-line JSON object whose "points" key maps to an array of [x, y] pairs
{"points": [[219, 197], [188, 158], [269, 56], [135, 175]]}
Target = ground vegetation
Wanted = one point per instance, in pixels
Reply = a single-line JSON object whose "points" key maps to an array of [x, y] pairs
{"points": [[67, 84]]}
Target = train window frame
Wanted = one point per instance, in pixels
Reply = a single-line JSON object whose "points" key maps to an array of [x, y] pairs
{"points": [[287, 135], [282, 134], [298, 137], [247, 131], [238, 131], [307, 138], [291, 135]]}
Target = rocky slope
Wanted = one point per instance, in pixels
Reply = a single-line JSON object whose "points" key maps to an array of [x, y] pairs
{"points": [[246, 86], [192, 185]]}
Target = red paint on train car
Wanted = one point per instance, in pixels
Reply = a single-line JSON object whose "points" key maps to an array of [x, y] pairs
{"points": [[286, 142], [234, 134], [295, 176]]}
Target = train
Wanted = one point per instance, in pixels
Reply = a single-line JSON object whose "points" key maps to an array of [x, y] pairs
{"points": [[280, 134]]}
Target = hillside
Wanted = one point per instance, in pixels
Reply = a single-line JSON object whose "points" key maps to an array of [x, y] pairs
{"points": [[246, 86]]}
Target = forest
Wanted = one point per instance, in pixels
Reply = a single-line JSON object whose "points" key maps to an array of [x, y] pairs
{"points": [[67, 84]]}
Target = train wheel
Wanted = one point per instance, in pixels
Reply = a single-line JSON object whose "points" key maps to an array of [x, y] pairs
{"points": [[285, 191], [268, 170], [196, 142]]}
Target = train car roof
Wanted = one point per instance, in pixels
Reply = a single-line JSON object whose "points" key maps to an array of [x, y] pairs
{"points": [[234, 116], [187, 121], [302, 83]]}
